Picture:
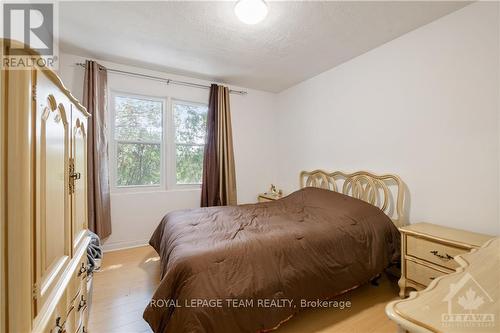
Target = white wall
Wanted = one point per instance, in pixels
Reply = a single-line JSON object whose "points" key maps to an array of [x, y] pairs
{"points": [[424, 106], [135, 215]]}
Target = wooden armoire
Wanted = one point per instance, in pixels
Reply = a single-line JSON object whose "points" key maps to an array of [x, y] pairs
{"points": [[43, 204]]}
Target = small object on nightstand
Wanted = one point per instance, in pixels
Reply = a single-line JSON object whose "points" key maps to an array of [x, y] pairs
{"points": [[273, 194], [428, 251]]}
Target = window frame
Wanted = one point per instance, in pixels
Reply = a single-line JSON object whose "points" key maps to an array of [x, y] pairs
{"points": [[173, 144], [168, 153], [113, 144]]}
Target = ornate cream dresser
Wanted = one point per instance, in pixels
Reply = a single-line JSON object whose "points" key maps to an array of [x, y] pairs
{"points": [[43, 204], [467, 301], [427, 252]]}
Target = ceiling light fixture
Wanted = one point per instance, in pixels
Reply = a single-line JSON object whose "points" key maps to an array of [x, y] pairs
{"points": [[251, 11]]}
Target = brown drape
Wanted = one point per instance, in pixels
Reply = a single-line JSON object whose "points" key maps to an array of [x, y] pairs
{"points": [[95, 100], [219, 178], [227, 176], [210, 181]]}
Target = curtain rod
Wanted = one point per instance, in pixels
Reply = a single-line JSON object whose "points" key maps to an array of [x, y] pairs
{"points": [[167, 81]]}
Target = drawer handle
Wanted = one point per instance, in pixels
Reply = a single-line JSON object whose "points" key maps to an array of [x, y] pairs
{"points": [[432, 278], [59, 326], [76, 175], [444, 257], [83, 303], [82, 269]]}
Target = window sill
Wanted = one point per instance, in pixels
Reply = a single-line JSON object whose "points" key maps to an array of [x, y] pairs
{"points": [[138, 190]]}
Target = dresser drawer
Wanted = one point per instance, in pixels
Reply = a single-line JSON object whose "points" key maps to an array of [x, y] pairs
{"points": [[82, 305], [70, 323], [420, 273], [58, 319], [437, 253], [78, 276]]}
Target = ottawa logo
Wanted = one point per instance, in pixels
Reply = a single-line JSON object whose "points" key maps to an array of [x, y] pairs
{"points": [[465, 299]]}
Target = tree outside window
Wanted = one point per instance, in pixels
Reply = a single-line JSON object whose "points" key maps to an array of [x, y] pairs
{"points": [[138, 136], [190, 122], [140, 141]]}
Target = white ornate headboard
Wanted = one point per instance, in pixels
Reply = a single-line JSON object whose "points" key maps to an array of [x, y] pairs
{"points": [[384, 191]]}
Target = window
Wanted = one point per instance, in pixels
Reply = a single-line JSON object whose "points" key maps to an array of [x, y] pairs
{"points": [[156, 142], [138, 133], [190, 121]]}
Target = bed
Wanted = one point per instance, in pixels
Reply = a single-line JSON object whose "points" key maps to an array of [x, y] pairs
{"points": [[249, 268]]}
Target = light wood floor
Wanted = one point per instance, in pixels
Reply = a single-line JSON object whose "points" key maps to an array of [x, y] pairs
{"points": [[128, 278]]}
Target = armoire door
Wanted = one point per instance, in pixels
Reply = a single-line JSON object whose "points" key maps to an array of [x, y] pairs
{"points": [[78, 178], [52, 251]]}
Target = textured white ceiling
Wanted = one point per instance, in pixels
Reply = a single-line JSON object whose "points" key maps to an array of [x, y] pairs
{"points": [[296, 41]]}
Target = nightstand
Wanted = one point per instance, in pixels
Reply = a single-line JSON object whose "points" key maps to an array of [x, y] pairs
{"points": [[427, 252], [265, 197]]}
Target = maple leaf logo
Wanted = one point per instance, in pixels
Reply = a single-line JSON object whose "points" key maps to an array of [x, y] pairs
{"points": [[470, 301]]}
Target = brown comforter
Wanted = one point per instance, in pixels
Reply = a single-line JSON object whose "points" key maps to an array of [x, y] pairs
{"points": [[248, 268]]}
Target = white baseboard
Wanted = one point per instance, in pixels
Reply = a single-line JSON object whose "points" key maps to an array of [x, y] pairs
{"points": [[115, 246]]}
